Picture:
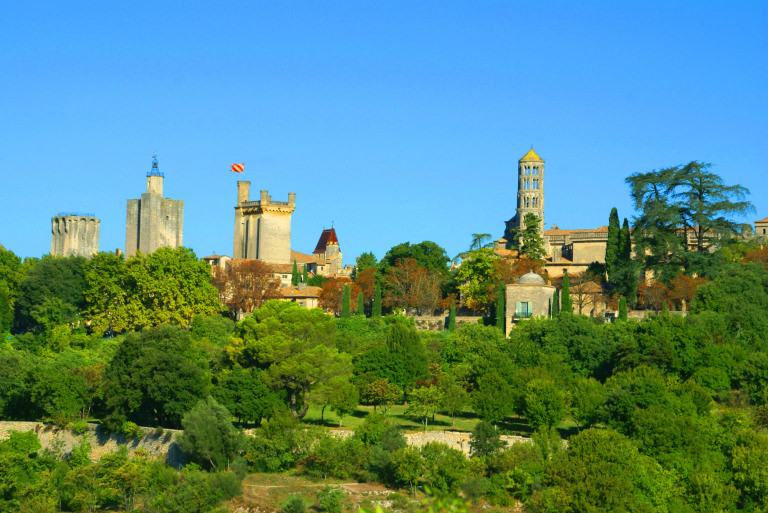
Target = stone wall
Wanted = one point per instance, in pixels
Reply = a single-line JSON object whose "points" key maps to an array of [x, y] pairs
{"points": [[439, 322], [63, 440]]}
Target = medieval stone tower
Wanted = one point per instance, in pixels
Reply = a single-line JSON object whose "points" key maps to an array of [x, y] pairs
{"points": [[74, 234], [153, 221], [530, 188], [263, 227], [530, 195]]}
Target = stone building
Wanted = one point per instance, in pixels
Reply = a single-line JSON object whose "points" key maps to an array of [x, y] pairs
{"points": [[327, 255], [761, 228], [74, 234], [263, 227], [529, 297], [530, 193], [153, 222]]}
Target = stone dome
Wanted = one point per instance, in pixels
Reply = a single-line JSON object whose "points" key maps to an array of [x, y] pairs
{"points": [[531, 279]]}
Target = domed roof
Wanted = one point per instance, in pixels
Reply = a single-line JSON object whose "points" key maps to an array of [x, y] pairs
{"points": [[531, 279], [531, 155]]}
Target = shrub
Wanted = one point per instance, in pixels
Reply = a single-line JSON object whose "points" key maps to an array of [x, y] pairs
{"points": [[331, 498], [294, 504], [130, 429], [79, 427]]}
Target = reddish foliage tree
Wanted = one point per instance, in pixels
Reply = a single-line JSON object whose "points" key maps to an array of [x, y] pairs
{"points": [[366, 280], [246, 284], [408, 285], [652, 295], [333, 290], [683, 288], [757, 255]]}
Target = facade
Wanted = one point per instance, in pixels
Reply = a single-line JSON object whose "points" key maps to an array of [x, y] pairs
{"points": [[263, 227], [74, 235], [529, 297], [304, 295], [761, 228], [153, 222]]}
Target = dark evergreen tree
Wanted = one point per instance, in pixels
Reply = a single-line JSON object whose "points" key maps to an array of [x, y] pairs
{"points": [[555, 303], [360, 304], [452, 317], [376, 307], [566, 305], [623, 309], [295, 276], [612, 246], [500, 317], [305, 275], [346, 303], [531, 241], [625, 243]]}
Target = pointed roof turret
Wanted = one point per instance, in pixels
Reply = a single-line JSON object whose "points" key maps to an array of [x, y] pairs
{"points": [[326, 238], [531, 155]]}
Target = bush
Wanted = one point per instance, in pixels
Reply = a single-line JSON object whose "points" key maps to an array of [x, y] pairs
{"points": [[331, 499], [79, 427], [130, 429], [294, 504]]}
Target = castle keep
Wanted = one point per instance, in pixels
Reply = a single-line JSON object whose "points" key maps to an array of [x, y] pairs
{"points": [[263, 227], [153, 222], [74, 235]]}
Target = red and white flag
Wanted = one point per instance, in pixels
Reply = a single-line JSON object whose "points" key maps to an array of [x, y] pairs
{"points": [[238, 168]]}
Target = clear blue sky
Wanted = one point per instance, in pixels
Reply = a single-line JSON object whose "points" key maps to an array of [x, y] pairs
{"points": [[396, 121]]}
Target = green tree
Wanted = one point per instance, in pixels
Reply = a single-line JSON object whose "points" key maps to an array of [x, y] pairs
{"points": [[453, 397], [381, 393], [423, 402], [545, 404], [11, 274], [485, 440], [555, 303], [500, 309], [295, 276], [406, 347], [360, 304], [155, 377], [305, 275], [209, 436], [366, 261], [531, 241], [346, 303], [612, 245], [294, 346], [427, 254], [477, 278], [493, 398], [52, 291], [452, 316], [622, 309], [566, 305], [445, 468], [245, 394]]}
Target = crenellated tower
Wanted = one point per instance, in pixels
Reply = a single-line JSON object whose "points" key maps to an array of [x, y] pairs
{"points": [[263, 227]]}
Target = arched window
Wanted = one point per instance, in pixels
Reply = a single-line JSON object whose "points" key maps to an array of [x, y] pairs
{"points": [[527, 201], [535, 170], [526, 184], [535, 183], [535, 202]]}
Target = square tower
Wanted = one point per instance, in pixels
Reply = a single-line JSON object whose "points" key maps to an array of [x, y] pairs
{"points": [[263, 227]]}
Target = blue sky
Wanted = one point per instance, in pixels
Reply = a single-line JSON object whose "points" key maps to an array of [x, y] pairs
{"points": [[395, 121]]}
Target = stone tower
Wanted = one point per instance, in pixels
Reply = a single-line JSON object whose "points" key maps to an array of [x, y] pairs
{"points": [[153, 221], [530, 188], [327, 252], [263, 227], [74, 234]]}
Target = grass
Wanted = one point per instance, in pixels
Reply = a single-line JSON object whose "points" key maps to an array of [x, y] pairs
{"points": [[465, 421]]}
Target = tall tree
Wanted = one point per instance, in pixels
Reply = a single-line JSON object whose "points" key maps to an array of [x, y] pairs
{"points": [[622, 308], [360, 304], [500, 311], [452, 317], [566, 305], [332, 293], [612, 245], [346, 307], [366, 261], [295, 276], [555, 303], [531, 241], [409, 285], [427, 254], [479, 279], [305, 275]]}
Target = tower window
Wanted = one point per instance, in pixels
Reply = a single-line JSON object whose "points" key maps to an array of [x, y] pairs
{"points": [[527, 171], [535, 170], [535, 202], [535, 183], [526, 184], [527, 202]]}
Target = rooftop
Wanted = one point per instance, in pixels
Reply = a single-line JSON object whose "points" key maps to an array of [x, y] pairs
{"points": [[531, 155], [327, 237]]}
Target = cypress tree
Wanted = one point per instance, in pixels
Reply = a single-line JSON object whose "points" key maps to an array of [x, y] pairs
{"points": [[625, 244], [664, 309], [346, 303], [295, 274], [376, 307], [360, 305], [305, 275], [500, 317], [627, 285], [613, 245], [623, 308], [452, 317], [555, 303], [566, 305]]}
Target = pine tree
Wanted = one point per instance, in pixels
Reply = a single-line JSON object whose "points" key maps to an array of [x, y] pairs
{"points": [[452, 317], [566, 305], [623, 309], [346, 303], [555, 303], [305, 275], [295, 274], [376, 307], [360, 304], [612, 247], [500, 314]]}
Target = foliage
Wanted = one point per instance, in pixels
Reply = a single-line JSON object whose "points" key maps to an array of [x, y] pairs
{"points": [[346, 307], [279, 443], [295, 275], [423, 402], [155, 377], [622, 309], [478, 278], [427, 255], [493, 397], [333, 293], [485, 440], [531, 243], [331, 498], [566, 305], [365, 262], [247, 284], [452, 317], [409, 285], [376, 306], [209, 437], [500, 308], [245, 394]]}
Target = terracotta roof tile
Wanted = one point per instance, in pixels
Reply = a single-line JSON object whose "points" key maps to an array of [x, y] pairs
{"points": [[762, 220], [327, 237], [301, 258]]}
